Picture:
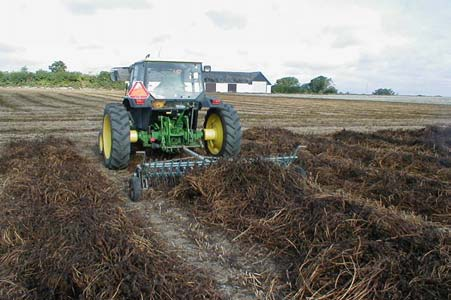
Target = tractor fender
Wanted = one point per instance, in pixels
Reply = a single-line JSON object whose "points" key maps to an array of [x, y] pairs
{"points": [[131, 103], [209, 102]]}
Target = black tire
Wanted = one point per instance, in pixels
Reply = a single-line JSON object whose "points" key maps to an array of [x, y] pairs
{"points": [[231, 126], [116, 146], [135, 189]]}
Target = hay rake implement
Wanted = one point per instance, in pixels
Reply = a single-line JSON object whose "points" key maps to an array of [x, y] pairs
{"points": [[151, 173]]}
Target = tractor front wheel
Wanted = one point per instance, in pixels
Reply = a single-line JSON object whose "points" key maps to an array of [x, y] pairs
{"points": [[225, 128], [116, 137]]}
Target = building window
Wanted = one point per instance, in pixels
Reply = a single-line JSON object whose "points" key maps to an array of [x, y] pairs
{"points": [[210, 87], [232, 88]]}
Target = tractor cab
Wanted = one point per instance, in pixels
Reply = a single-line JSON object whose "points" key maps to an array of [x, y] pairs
{"points": [[164, 80]]}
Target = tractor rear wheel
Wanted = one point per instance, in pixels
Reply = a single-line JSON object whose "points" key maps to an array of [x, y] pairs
{"points": [[116, 136], [227, 127], [100, 143]]}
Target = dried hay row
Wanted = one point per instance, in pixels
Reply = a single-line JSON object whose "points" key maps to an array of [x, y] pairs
{"points": [[63, 234], [416, 179], [335, 248]]}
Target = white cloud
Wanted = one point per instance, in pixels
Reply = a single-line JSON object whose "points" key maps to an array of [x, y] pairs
{"points": [[226, 20], [161, 38], [6, 48], [90, 47], [345, 40], [92, 6]]}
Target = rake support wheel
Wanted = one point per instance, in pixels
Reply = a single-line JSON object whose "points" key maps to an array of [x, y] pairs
{"points": [[135, 189]]}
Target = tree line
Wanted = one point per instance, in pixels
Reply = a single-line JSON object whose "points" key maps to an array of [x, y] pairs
{"points": [[291, 85], [318, 85], [58, 76]]}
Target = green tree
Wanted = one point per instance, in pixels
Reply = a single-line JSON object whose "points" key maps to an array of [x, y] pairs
{"points": [[18, 78], [286, 85], [384, 92], [305, 88], [318, 85], [58, 66], [322, 85], [331, 90]]}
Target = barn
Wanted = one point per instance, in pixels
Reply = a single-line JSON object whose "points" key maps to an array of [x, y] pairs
{"points": [[236, 82]]}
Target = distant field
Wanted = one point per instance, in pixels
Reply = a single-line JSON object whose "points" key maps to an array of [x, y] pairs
{"points": [[25, 113], [401, 99], [305, 115]]}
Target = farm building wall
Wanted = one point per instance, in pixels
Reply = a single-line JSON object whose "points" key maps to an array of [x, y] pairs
{"points": [[221, 87], [255, 87]]}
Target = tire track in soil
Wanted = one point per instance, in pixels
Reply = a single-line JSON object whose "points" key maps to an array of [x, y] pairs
{"points": [[85, 99], [45, 131], [231, 267], [64, 98], [6, 104], [40, 119], [106, 97], [35, 101], [239, 273]]}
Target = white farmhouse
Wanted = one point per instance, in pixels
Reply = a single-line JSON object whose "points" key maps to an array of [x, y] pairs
{"points": [[236, 82]]}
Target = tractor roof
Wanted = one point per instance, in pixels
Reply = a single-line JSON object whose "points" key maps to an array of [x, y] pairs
{"points": [[167, 61], [234, 77]]}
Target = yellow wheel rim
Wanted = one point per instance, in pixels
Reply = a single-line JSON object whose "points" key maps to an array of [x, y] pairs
{"points": [[100, 143], [106, 136], [214, 122]]}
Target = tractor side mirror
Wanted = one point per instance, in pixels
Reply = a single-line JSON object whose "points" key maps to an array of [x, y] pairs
{"points": [[127, 85], [120, 74], [114, 75]]}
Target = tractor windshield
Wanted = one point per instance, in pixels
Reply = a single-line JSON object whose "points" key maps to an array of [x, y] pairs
{"points": [[173, 80]]}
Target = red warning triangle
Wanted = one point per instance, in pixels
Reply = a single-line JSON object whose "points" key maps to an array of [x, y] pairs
{"points": [[138, 91]]}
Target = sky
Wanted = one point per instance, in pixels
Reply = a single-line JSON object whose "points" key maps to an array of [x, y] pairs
{"points": [[362, 45]]}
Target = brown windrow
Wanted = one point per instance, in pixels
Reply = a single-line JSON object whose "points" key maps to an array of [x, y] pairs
{"points": [[65, 234], [354, 229]]}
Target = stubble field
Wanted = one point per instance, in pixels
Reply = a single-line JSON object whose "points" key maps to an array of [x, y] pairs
{"points": [[25, 113], [370, 221]]}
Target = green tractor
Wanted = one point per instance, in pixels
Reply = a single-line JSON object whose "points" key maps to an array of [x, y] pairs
{"points": [[160, 111]]}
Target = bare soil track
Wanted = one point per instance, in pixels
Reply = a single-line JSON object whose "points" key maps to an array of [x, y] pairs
{"points": [[371, 220]]}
